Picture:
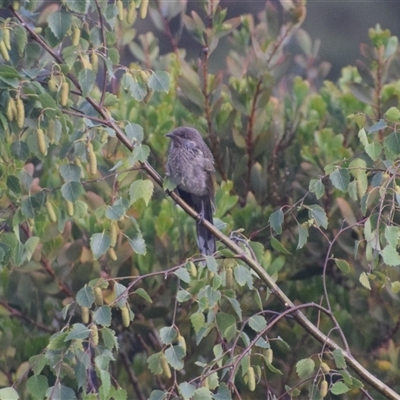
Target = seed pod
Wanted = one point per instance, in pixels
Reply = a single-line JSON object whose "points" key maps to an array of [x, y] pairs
{"points": [[76, 35], [269, 356], [51, 131], [120, 6], [50, 211], [15, 5], [121, 223], [182, 342], [94, 333], [6, 38], [131, 14], [323, 390], [79, 164], [10, 113], [20, 113], [41, 141], [325, 368], [113, 233], [94, 59], [64, 93], [38, 29], [251, 379], [98, 296], [165, 367], [52, 83], [125, 316], [144, 5], [70, 208], [92, 159], [229, 278], [112, 254], [85, 315], [4, 51]]}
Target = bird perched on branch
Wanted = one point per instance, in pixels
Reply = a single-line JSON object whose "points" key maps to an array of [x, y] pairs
{"points": [[190, 166]]}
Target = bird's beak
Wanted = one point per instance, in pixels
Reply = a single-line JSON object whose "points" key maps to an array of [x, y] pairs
{"points": [[170, 135]]}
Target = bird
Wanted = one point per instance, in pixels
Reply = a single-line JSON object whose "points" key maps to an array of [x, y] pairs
{"points": [[190, 165]]}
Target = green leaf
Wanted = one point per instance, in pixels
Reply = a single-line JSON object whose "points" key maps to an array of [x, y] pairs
{"points": [[143, 294], [60, 23], [19, 150], [340, 178], [243, 276], [141, 189], [381, 124], [183, 274], [318, 214], [21, 39], [374, 150], [339, 388], [277, 245], [339, 358], [60, 392], [258, 323], [392, 235], [202, 393], [78, 331], [71, 191], [8, 393], [99, 244], [85, 297], [226, 323], [109, 339], [87, 79], [391, 256], [78, 6], [159, 81], [13, 184], [115, 212], [102, 316], [223, 393], [343, 265], [136, 89], [303, 236], [198, 320], [392, 143], [137, 242], [305, 367], [186, 390], [154, 363], [317, 187], [30, 246], [363, 137], [364, 280], [37, 386], [174, 356], [168, 334], [392, 114], [211, 264], [70, 172], [276, 220]]}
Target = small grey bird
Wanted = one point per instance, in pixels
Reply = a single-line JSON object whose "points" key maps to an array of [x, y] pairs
{"points": [[190, 166]]}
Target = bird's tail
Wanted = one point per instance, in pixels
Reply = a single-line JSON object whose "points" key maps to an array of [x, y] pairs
{"points": [[205, 239]]}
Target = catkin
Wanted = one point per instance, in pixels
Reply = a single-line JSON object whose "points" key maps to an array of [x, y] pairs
{"points": [[165, 367], [94, 59], [98, 296], [51, 131], [20, 113], [120, 6], [92, 159], [130, 16], [7, 38], [10, 113], [251, 379], [70, 208], [52, 84], [323, 390], [64, 94], [76, 35], [94, 333], [125, 316], [41, 141], [182, 342], [50, 211], [85, 315], [229, 278], [112, 254], [269, 356], [113, 233], [144, 5], [4, 51]]}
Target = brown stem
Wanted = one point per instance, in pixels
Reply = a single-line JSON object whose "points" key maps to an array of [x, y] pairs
{"points": [[132, 376]]}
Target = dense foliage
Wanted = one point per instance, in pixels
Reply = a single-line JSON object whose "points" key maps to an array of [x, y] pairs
{"points": [[102, 293]]}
